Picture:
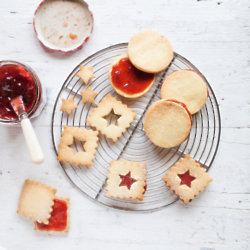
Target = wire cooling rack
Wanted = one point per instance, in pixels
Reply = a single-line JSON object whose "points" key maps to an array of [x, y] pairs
{"points": [[133, 145]]}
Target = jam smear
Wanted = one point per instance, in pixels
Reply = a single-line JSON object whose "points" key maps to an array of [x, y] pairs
{"points": [[186, 178], [58, 219], [128, 78], [15, 81], [126, 180]]}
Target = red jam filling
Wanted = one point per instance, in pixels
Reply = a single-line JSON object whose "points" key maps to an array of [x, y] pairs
{"points": [[15, 81], [129, 79], [58, 219], [126, 180], [186, 178]]}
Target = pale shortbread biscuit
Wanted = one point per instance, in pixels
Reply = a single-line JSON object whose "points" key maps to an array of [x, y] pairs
{"points": [[68, 105], [186, 86], [66, 230], [88, 95], [119, 91], [36, 201], [85, 73], [118, 170], [200, 179], [167, 123], [66, 153], [105, 107], [150, 51]]}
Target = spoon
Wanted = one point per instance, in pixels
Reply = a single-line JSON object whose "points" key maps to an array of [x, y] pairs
{"points": [[32, 143]]}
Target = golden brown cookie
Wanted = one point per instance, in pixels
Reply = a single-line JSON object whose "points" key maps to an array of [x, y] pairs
{"points": [[150, 51], [85, 73], [81, 158], [167, 123], [103, 109], [88, 95], [127, 80], [36, 201], [68, 105], [126, 180], [186, 86], [186, 179]]}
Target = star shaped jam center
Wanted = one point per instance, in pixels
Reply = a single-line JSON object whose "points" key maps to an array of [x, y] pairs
{"points": [[186, 178], [126, 180]]}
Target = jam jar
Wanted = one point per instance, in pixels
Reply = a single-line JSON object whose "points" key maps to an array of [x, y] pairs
{"points": [[17, 79]]}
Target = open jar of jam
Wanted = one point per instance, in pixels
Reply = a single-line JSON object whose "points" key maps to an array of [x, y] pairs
{"points": [[17, 79]]}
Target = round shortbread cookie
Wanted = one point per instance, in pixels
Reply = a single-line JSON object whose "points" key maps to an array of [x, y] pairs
{"points": [[167, 123], [150, 51], [127, 80], [186, 86]]}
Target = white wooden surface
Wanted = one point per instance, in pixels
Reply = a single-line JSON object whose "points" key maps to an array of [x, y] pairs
{"points": [[215, 36]]}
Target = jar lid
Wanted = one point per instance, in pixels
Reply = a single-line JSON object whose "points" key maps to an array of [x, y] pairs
{"points": [[63, 26]]}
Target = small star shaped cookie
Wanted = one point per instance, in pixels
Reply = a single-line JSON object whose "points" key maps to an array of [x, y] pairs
{"points": [[68, 105], [86, 73], [88, 95]]}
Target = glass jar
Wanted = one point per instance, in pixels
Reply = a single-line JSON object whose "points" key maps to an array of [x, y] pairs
{"points": [[9, 71]]}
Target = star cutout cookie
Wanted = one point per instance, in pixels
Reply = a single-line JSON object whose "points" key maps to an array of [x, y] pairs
{"points": [[88, 95], [126, 180], [66, 153], [85, 73], [186, 178], [68, 105], [105, 107]]}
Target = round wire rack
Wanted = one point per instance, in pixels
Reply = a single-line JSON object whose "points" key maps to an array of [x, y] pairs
{"points": [[133, 145]]}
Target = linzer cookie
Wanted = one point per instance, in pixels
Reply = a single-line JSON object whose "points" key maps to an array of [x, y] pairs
{"points": [[86, 156], [127, 80], [36, 201], [167, 123], [59, 220], [186, 86], [126, 180], [85, 73], [150, 51], [186, 179], [103, 109], [68, 105]]}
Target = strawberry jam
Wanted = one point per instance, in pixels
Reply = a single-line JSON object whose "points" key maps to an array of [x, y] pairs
{"points": [[129, 79], [15, 81], [127, 180], [186, 178], [58, 219]]}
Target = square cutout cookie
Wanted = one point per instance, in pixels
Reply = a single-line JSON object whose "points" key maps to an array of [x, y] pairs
{"points": [[126, 180], [84, 158], [103, 109], [59, 221], [36, 201], [186, 178]]}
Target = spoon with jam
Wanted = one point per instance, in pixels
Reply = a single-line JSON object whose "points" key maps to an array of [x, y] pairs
{"points": [[18, 94]]}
